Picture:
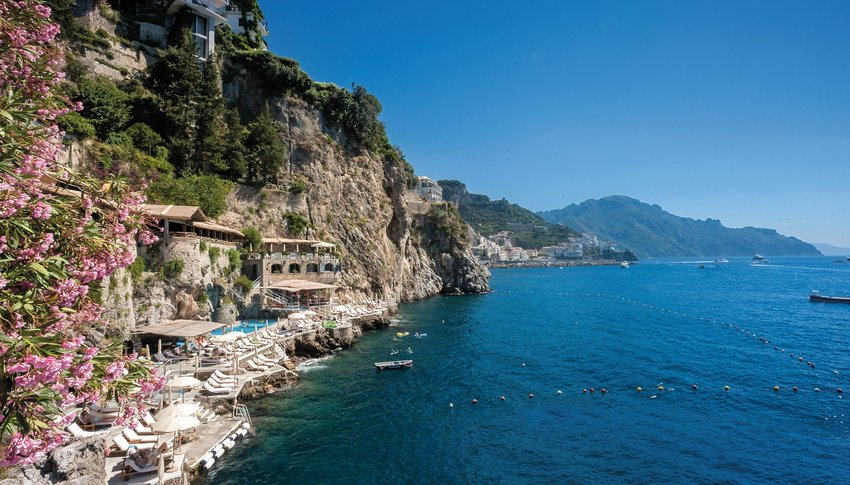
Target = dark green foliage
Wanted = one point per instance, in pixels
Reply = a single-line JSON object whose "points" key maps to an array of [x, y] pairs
{"points": [[104, 105], [126, 160], [296, 224], [298, 186], [253, 238], [209, 192], [243, 283], [215, 252], [278, 75], [136, 269], [235, 152], [75, 124], [267, 153], [144, 138], [227, 41], [234, 260], [176, 79], [212, 137], [491, 216], [203, 247], [446, 220], [356, 112], [121, 139], [173, 268], [651, 231]]}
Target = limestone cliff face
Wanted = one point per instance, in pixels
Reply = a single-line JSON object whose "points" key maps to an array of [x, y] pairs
{"points": [[354, 200]]}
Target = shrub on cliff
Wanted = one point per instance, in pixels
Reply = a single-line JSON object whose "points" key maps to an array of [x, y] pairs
{"points": [[104, 105], [266, 152], [55, 250], [244, 284], [209, 192], [253, 238], [173, 268]]}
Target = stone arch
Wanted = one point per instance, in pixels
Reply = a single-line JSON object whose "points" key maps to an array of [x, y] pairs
{"points": [[312, 268], [294, 268], [277, 268], [329, 267]]}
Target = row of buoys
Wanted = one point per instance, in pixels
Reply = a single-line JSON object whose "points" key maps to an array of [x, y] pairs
{"points": [[733, 326], [660, 388], [208, 460]]}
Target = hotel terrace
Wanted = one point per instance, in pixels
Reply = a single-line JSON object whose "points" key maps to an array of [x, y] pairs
{"points": [[293, 274]]}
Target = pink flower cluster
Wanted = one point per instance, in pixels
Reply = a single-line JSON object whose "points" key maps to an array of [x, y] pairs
{"points": [[58, 248]]}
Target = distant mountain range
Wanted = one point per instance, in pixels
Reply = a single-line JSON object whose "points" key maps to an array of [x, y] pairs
{"points": [[491, 216], [650, 231], [830, 250]]}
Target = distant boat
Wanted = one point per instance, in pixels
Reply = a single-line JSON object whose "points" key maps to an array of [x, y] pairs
{"points": [[760, 262], [839, 260], [624, 264], [394, 364], [721, 260], [702, 266], [828, 299], [758, 257]]}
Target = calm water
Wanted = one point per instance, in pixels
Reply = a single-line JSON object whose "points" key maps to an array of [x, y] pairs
{"points": [[577, 328]]}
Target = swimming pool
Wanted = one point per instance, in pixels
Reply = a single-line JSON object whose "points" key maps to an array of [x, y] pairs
{"points": [[245, 326]]}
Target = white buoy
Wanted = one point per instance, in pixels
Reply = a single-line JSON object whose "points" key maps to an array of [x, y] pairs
{"points": [[451, 405], [559, 392]]}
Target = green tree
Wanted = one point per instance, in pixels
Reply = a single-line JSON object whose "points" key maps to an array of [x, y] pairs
{"points": [[144, 138], [253, 238], [209, 192], [104, 105], [211, 141], [235, 152], [176, 79], [267, 153]]}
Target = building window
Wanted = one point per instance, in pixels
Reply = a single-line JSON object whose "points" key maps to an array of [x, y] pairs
{"points": [[312, 268], [294, 268], [277, 269], [329, 267]]}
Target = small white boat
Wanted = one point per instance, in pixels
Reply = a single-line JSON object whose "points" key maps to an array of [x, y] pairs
{"points": [[758, 257], [394, 364], [624, 264]]}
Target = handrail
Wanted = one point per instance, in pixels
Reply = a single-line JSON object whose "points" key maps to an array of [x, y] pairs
{"points": [[240, 411]]}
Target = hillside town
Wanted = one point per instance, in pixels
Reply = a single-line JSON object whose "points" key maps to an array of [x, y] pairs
{"points": [[499, 248]]}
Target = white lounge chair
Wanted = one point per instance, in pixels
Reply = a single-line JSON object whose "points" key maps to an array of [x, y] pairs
{"points": [[148, 419], [221, 376], [134, 438], [223, 384], [213, 389], [78, 432], [131, 465], [122, 445], [256, 367]]}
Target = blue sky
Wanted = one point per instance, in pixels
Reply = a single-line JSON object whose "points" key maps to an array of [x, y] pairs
{"points": [[735, 110]]}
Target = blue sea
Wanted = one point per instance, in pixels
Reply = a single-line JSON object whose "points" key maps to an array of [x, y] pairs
{"points": [[664, 323]]}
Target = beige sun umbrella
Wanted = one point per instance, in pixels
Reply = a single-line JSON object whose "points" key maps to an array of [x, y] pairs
{"points": [[309, 313], [176, 424], [183, 382], [182, 409], [297, 316]]}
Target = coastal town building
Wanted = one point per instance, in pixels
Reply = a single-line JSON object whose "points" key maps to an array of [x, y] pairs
{"points": [[429, 190], [293, 274], [156, 17], [189, 222]]}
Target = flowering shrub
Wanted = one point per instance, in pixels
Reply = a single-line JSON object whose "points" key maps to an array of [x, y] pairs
{"points": [[57, 242]]}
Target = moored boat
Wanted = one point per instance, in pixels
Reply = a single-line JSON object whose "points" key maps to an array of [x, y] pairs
{"points": [[394, 364], [624, 264], [758, 257], [828, 299]]}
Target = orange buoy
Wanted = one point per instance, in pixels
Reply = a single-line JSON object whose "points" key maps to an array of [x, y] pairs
{"points": [[776, 388], [501, 398], [475, 401], [660, 388], [639, 389], [726, 388]]}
